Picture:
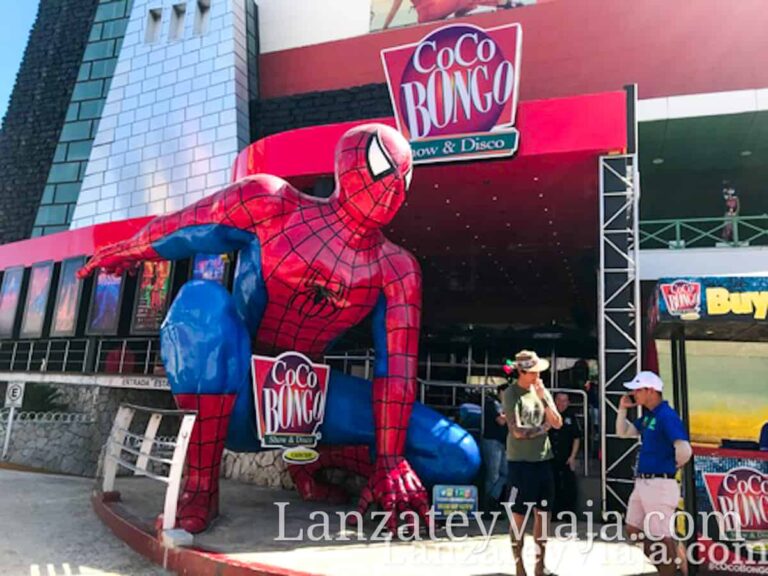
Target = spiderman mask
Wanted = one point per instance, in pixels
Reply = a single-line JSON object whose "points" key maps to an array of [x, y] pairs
{"points": [[373, 172]]}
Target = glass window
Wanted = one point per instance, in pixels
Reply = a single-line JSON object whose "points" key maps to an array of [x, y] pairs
{"points": [[61, 153], [79, 150], [96, 31], [51, 215], [91, 109], [67, 172], [99, 50], [103, 68], [47, 195], [72, 111], [84, 73], [67, 193], [110, 11], [114, 29], [75, 131], [737, 412], [87, 90], [54, 229]]}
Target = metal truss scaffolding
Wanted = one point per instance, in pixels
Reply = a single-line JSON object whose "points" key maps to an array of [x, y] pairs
{"points": [[619, 319]]}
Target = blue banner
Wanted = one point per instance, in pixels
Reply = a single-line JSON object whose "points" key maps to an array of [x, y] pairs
{"points": [[729, 298]]}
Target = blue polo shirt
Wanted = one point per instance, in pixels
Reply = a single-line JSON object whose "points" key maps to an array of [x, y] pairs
{"points": [[659, 428]]}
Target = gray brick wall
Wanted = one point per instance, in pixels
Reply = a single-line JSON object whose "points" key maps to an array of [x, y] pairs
{"points": [[176, 114]]}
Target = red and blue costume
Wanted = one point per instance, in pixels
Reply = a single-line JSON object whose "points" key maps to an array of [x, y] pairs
{"points": [[309, 269]]}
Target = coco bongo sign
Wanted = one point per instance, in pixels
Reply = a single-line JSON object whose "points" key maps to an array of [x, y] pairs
{"points": [[455, 92], [290, 393]]}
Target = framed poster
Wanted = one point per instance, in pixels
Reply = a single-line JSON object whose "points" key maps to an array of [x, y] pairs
{"points": [[36, 302], [210, 267], [10, 294], [152, 294], [67, 305], [104, 312]]}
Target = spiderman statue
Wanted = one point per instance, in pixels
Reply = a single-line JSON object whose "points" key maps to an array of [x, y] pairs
{"points": [[308, 270]]}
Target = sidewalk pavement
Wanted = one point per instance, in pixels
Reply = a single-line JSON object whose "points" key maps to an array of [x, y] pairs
{"points": [[47, 528]]}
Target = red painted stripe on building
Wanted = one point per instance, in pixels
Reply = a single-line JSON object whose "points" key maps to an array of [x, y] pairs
{"points": [[595, 122], [65, 244], [572, 47]]}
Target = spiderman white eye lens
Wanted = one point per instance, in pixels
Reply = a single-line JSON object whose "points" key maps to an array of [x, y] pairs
{"points": [[408, 178], [378, 161]]}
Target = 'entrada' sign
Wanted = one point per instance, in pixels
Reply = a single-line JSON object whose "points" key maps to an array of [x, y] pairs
{"points": [[454, 93], [290, 394]]}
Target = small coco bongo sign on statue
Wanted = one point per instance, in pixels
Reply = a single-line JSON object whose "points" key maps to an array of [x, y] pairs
{"points": [[290, 393]]}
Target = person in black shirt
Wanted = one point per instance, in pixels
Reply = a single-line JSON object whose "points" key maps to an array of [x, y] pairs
{"points": [[494, 447], [565, 447]]}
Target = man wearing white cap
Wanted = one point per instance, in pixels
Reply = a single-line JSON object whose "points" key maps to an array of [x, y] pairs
{"points": [[530, 413], [665, 448]]}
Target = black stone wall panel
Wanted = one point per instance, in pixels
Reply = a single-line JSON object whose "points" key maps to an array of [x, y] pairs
{"points": [[37, 108], [315, 108]]}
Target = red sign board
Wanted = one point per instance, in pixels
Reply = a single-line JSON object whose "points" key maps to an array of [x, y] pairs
{"points": [[455, 92], [682, 298], [290, 394], [741, 495]]}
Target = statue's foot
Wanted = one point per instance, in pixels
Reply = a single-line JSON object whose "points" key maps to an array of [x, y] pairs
{"points": [[197, 510], [311, 489]]}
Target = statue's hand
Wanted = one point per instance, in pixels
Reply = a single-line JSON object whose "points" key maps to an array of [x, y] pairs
{"points": [[396, 488], [114, 258]]}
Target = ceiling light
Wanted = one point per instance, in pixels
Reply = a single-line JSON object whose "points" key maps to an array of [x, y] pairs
{"points": [[495, 198], [745, 153], [447, 200], [657, 161], [535, 178]]}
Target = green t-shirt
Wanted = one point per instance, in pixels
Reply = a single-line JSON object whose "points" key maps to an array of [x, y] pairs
{"points": [[528, 412]]}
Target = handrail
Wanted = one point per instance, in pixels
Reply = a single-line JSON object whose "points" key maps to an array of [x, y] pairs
{"points": [[722, 231], [136, 356], [116, 445]]}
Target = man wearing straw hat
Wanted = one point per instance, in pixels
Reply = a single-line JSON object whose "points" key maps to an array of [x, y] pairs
{"points": [[531, 413]]}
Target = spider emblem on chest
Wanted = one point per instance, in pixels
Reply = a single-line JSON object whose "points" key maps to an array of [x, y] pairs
{"points": [[318, 296]]}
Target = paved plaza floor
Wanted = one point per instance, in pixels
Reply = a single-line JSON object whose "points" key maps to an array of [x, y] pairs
{"points": [[273, 527]]}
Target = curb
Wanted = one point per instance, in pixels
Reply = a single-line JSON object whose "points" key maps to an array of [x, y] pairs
{"points": [[186, 561]]}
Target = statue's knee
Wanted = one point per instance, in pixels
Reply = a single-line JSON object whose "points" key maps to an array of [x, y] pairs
{"points": [[204, 344], [461, 456], [201, 305]]}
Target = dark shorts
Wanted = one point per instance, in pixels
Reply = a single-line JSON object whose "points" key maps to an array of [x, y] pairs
{"points": [[531, 483]]}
